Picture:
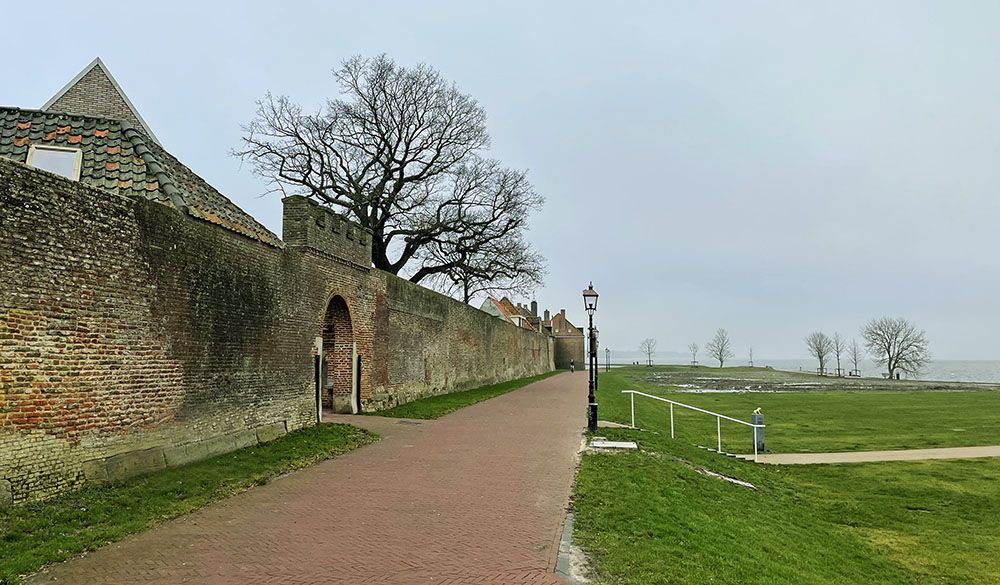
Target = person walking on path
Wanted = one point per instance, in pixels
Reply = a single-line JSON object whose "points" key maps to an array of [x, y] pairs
{"points": [[572, 366]]}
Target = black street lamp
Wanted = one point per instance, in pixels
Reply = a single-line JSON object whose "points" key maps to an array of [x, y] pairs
{"points": [[597, 370], [590, 304]]}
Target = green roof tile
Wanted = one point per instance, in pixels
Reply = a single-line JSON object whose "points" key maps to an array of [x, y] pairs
{"points": [[140, 160]]}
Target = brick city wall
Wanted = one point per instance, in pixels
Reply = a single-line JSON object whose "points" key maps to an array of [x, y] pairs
{"points": [[460, 347], [133, 337], [567, 349]]}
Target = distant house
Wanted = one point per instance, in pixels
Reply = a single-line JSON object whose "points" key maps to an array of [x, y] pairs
{"points": [[568, 338], [495, 308], [517, 314]]}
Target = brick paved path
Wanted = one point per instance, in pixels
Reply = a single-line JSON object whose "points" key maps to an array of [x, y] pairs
{"points": [[475, 497]]}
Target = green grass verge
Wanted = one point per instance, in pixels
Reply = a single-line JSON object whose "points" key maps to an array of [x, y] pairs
{"points": [[807, 421], [442, 404], [652, 517], [649, 518], [35, 534]]}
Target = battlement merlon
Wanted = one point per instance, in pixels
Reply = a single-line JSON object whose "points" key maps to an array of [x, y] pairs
{"points": [[309, 224]]}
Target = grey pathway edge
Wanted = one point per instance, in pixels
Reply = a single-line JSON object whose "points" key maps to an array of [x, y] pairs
{"points": [[876, 456], [478, 496]]}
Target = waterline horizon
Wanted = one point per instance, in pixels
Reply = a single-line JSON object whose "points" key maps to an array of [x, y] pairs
{"points": [[986, 371]]}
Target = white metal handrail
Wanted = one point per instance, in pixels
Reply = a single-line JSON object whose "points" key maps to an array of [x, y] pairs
{"points": [[718, 417]]}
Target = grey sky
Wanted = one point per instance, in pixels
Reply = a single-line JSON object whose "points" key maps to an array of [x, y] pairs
{"points": [[774, 168]]}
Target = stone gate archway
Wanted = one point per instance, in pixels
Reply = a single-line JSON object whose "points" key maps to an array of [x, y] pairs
{"points": [[339, 356]]}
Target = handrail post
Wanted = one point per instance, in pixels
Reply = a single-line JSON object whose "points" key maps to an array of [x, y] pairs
{"points": [[718, 420]]}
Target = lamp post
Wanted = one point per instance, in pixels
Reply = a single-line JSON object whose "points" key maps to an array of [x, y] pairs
{"points": [[597, 370], [607, 359], [590, 304]]}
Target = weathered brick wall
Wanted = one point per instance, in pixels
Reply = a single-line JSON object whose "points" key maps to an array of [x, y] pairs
{"points": [[133, 337], [306, 223], [569, 349], [437, 345]]}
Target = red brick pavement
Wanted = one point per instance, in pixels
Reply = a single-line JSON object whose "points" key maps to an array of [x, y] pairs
{"points": [[475, 497]]}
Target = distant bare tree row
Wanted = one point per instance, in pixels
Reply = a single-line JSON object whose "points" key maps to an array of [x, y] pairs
{"points": [[720, 348], [893, 343]]}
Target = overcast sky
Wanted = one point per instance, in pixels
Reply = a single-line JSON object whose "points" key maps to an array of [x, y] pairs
{"points": [[773, 168]]}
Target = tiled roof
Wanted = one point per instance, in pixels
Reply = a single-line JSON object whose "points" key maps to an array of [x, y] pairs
{"points": [[500, 308], [510, 310], [509, 307], [119, 158]]}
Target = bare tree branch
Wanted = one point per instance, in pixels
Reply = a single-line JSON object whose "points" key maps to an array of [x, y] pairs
{"points": [[720, 348], [854, 351], [693, 349], [896, 344], [839, 346], [648, 347], [819, 346]]}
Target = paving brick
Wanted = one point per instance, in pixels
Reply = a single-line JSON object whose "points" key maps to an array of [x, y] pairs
{"points": [[478, 496]]}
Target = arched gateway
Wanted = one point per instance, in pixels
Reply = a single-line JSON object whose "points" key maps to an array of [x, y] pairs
{"points": [[338, 372]]}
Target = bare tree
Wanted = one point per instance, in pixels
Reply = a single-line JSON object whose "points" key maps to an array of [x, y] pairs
{"points": [[819, 346], [720, 347], [505, 267], [400, 153], [838, 350], [693, 348], [648, 347], [896, 344], [854, 351]]}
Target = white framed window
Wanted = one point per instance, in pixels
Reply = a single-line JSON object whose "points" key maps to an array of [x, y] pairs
{"points": [[56, 159]]}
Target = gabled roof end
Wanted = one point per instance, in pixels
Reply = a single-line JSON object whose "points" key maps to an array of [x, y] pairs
{"points": [[121, 93]]}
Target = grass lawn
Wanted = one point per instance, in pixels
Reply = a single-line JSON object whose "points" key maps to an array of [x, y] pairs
{"points": [[442, 404], [35, 534], [656, 517], [827, 420]]}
